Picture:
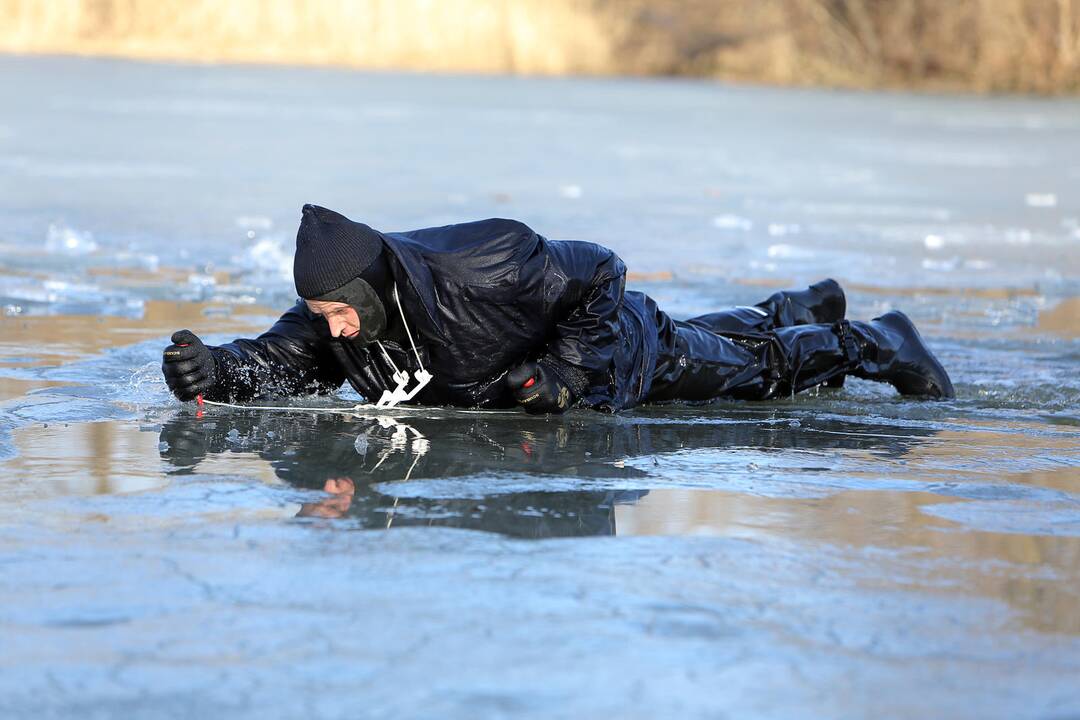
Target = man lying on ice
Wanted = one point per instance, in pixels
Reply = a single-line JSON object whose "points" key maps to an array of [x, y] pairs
{"points": [[491, 315]]}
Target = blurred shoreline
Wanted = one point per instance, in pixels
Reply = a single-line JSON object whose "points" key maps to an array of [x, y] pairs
{"points": [[989, 46]]}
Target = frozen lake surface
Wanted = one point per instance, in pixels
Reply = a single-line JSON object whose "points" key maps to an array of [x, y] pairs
{"points": [[841, 554]]}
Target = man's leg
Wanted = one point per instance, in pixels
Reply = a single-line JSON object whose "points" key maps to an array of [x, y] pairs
{"points": [[822, 302], [696, 364]]}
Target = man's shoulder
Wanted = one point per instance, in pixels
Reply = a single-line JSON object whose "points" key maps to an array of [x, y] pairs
{"points": [[481, 252], [487, 235]]}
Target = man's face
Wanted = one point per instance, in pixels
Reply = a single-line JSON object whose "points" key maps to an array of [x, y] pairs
{"points": [[343, 320]]}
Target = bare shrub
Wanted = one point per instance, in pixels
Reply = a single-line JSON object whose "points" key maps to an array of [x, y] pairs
{"points": [[987, 45]]}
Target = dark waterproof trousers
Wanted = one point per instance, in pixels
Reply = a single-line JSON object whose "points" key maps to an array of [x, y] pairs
{"points": [[751, 353]]}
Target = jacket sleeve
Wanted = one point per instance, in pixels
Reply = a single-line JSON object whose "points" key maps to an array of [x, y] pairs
{"points": [[291, 358], [587, 311]]}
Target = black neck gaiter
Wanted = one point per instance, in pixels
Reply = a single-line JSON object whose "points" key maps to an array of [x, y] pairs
{"points": [[370, 296]]}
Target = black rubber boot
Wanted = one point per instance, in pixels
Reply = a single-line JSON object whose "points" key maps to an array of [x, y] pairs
{"points": [[807, 356], [886, 349], [822, 302], [891, 350]]}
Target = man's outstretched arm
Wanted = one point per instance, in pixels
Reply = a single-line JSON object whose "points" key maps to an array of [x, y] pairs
{"points": [[292, 358]]}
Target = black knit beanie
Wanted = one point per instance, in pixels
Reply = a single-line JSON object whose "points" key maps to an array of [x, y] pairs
{"points": [[331, 250]]}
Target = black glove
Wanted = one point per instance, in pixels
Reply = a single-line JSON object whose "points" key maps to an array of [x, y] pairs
{"points": [[539, 389], [188, 366]]}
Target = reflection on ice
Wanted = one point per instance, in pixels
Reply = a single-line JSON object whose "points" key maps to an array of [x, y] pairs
{"points": [[443, 463]]}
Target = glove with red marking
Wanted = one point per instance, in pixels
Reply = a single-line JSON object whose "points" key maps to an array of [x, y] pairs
{"points": [[539, 389], [188, 366]]}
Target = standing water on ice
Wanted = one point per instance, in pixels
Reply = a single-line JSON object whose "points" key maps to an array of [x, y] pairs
{"points": [[841, 553]]}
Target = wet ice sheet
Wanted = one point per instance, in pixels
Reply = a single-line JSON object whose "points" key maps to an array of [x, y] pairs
{"points": [[452, 623], [773, 477], [837, 554]]}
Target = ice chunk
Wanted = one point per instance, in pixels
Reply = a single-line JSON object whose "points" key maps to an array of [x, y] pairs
{"points": [[62, 291], [781, 229], [254, 222], [732, 222], [940, 265], [201, 280], [789, 252], [1041, 200], [69, 241], [270, 256], [1018, 236]]}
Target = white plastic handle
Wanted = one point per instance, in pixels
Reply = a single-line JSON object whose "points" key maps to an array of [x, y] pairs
{"points": [[423, 377], [391, 398]]}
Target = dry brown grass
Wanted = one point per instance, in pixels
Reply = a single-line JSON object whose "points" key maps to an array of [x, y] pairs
{"points": [[985, 45], [1023, 45], [467, 35]]}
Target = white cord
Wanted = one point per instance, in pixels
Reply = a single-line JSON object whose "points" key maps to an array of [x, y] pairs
{"points": [[387, 356], [355, 409], [342, 410], [397, 299], [401, 310]]}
